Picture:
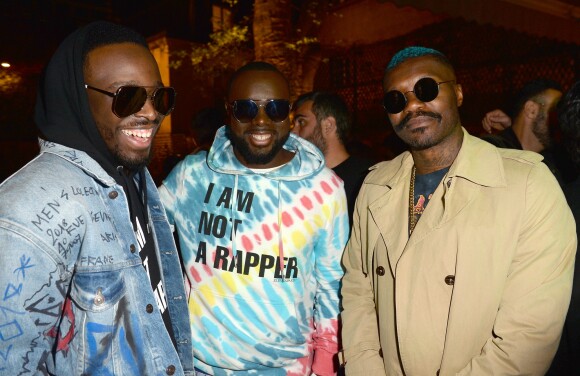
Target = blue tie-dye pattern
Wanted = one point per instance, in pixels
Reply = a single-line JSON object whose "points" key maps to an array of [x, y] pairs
{"points": [[251, 325], [229, 350]]}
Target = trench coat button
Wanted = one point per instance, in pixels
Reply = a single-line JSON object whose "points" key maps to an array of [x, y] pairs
{"points": [[113, 195], [170, 370], [380, 270], [450, 280], [132, 248], [149, 308]]}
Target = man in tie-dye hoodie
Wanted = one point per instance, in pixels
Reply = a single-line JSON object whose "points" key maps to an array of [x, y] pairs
{"points": [[262, 224]]}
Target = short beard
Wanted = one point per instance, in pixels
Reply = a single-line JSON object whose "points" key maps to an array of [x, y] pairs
{"points": [[132, 164], [317, 139], [242, 147], [413, 144], [541, 131]]}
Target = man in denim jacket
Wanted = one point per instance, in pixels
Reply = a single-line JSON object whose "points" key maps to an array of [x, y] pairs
{"points": [[90, 280]]}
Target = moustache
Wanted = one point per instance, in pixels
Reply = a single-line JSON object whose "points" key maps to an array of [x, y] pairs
{"points": [[406, 119]]}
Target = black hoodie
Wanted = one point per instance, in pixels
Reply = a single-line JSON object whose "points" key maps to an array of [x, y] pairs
{"points": [[62, 114]]}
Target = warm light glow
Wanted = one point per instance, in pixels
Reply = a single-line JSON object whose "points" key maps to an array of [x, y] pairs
{"points": [[5, 64]]}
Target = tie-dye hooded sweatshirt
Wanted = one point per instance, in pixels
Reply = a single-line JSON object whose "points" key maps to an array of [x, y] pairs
{"points": [[262, 254]]}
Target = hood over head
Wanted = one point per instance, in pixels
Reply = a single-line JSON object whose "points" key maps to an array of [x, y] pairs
{"points": [[62, 113]]}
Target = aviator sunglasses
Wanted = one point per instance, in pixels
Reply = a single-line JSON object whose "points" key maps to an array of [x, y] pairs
{"points": [[425, 90], [128, 100], [246, 110]]}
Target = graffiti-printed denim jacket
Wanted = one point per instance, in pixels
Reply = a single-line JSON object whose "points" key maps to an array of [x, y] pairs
{"points": [[75, 298]]}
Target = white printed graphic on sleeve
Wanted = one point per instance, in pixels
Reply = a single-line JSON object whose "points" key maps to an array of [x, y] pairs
{"points": [[159, 291]]}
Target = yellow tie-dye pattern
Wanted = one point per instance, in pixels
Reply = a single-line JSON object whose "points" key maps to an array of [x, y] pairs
{"points": [[209, 296], [298, 239], [326, 211], [318, 220], [218, 286], [233, 283], [309, 229], [194, 308]]}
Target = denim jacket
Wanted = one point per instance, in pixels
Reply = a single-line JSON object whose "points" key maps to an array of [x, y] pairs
{"points": [[75, 298]]}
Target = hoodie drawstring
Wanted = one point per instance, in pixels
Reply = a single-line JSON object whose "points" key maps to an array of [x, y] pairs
{"points": [[280, 243], [233, 213]]}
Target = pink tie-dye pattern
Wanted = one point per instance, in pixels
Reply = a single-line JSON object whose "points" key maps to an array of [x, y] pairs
{"points": [[247, 244], [194, 274], [323, 338], [318, 197], [306, 202], [287, 219], [305, 364], [298, 213], [267, 232], [336, 181], [325, 347], [326, 187]]}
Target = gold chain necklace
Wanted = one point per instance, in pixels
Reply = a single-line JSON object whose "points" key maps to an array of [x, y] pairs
{"points": [[412, 203]]}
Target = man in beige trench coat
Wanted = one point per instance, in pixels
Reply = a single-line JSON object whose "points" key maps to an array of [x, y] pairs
{"points": [[461, 255]]}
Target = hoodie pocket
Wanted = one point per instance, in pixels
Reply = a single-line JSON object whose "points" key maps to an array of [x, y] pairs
{"points": [[97, 291], [251, 329]]}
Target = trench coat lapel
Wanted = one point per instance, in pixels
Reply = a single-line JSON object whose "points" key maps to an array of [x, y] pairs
{"points": [[388, 211], [461, 185], [394, 236]]}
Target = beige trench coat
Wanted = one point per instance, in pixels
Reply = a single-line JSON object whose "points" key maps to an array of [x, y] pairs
{"points": [[483, 284]]}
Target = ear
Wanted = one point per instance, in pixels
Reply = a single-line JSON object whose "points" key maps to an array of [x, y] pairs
{"points": [[328, 126], [459, 94], [531, 109]]}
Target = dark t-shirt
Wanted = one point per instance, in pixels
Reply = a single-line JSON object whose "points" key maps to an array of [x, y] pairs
{"points": [[146, 248], [353, 172], [425, 185], [567, 359], [555, 157]]}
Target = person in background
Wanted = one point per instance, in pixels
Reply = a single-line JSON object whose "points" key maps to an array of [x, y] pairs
{"points": [[90, 275], [204, 127], [323, 119], [262, 224], [531, 128], [461, 257], [567, 362]]}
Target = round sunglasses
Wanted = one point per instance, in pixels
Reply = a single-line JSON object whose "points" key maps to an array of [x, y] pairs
{"points": [[425, 90], [128, 100], [246, 110]]}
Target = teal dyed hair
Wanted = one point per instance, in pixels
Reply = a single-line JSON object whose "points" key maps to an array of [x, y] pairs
{"points": [[416, 51]]}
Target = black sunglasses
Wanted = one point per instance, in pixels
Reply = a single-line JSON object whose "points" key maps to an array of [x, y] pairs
{"points": [[245, 110], [426, 90], [128, 100]]}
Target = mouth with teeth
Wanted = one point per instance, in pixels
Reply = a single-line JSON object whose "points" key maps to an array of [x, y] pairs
{"points": [[139, 137], [260, 139]]}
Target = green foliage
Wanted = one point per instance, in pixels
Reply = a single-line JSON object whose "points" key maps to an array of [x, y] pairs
{"points": [[221, 53], [301, 44]]}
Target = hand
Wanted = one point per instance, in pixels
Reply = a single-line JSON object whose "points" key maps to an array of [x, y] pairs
{"points": [[496, 119]]}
